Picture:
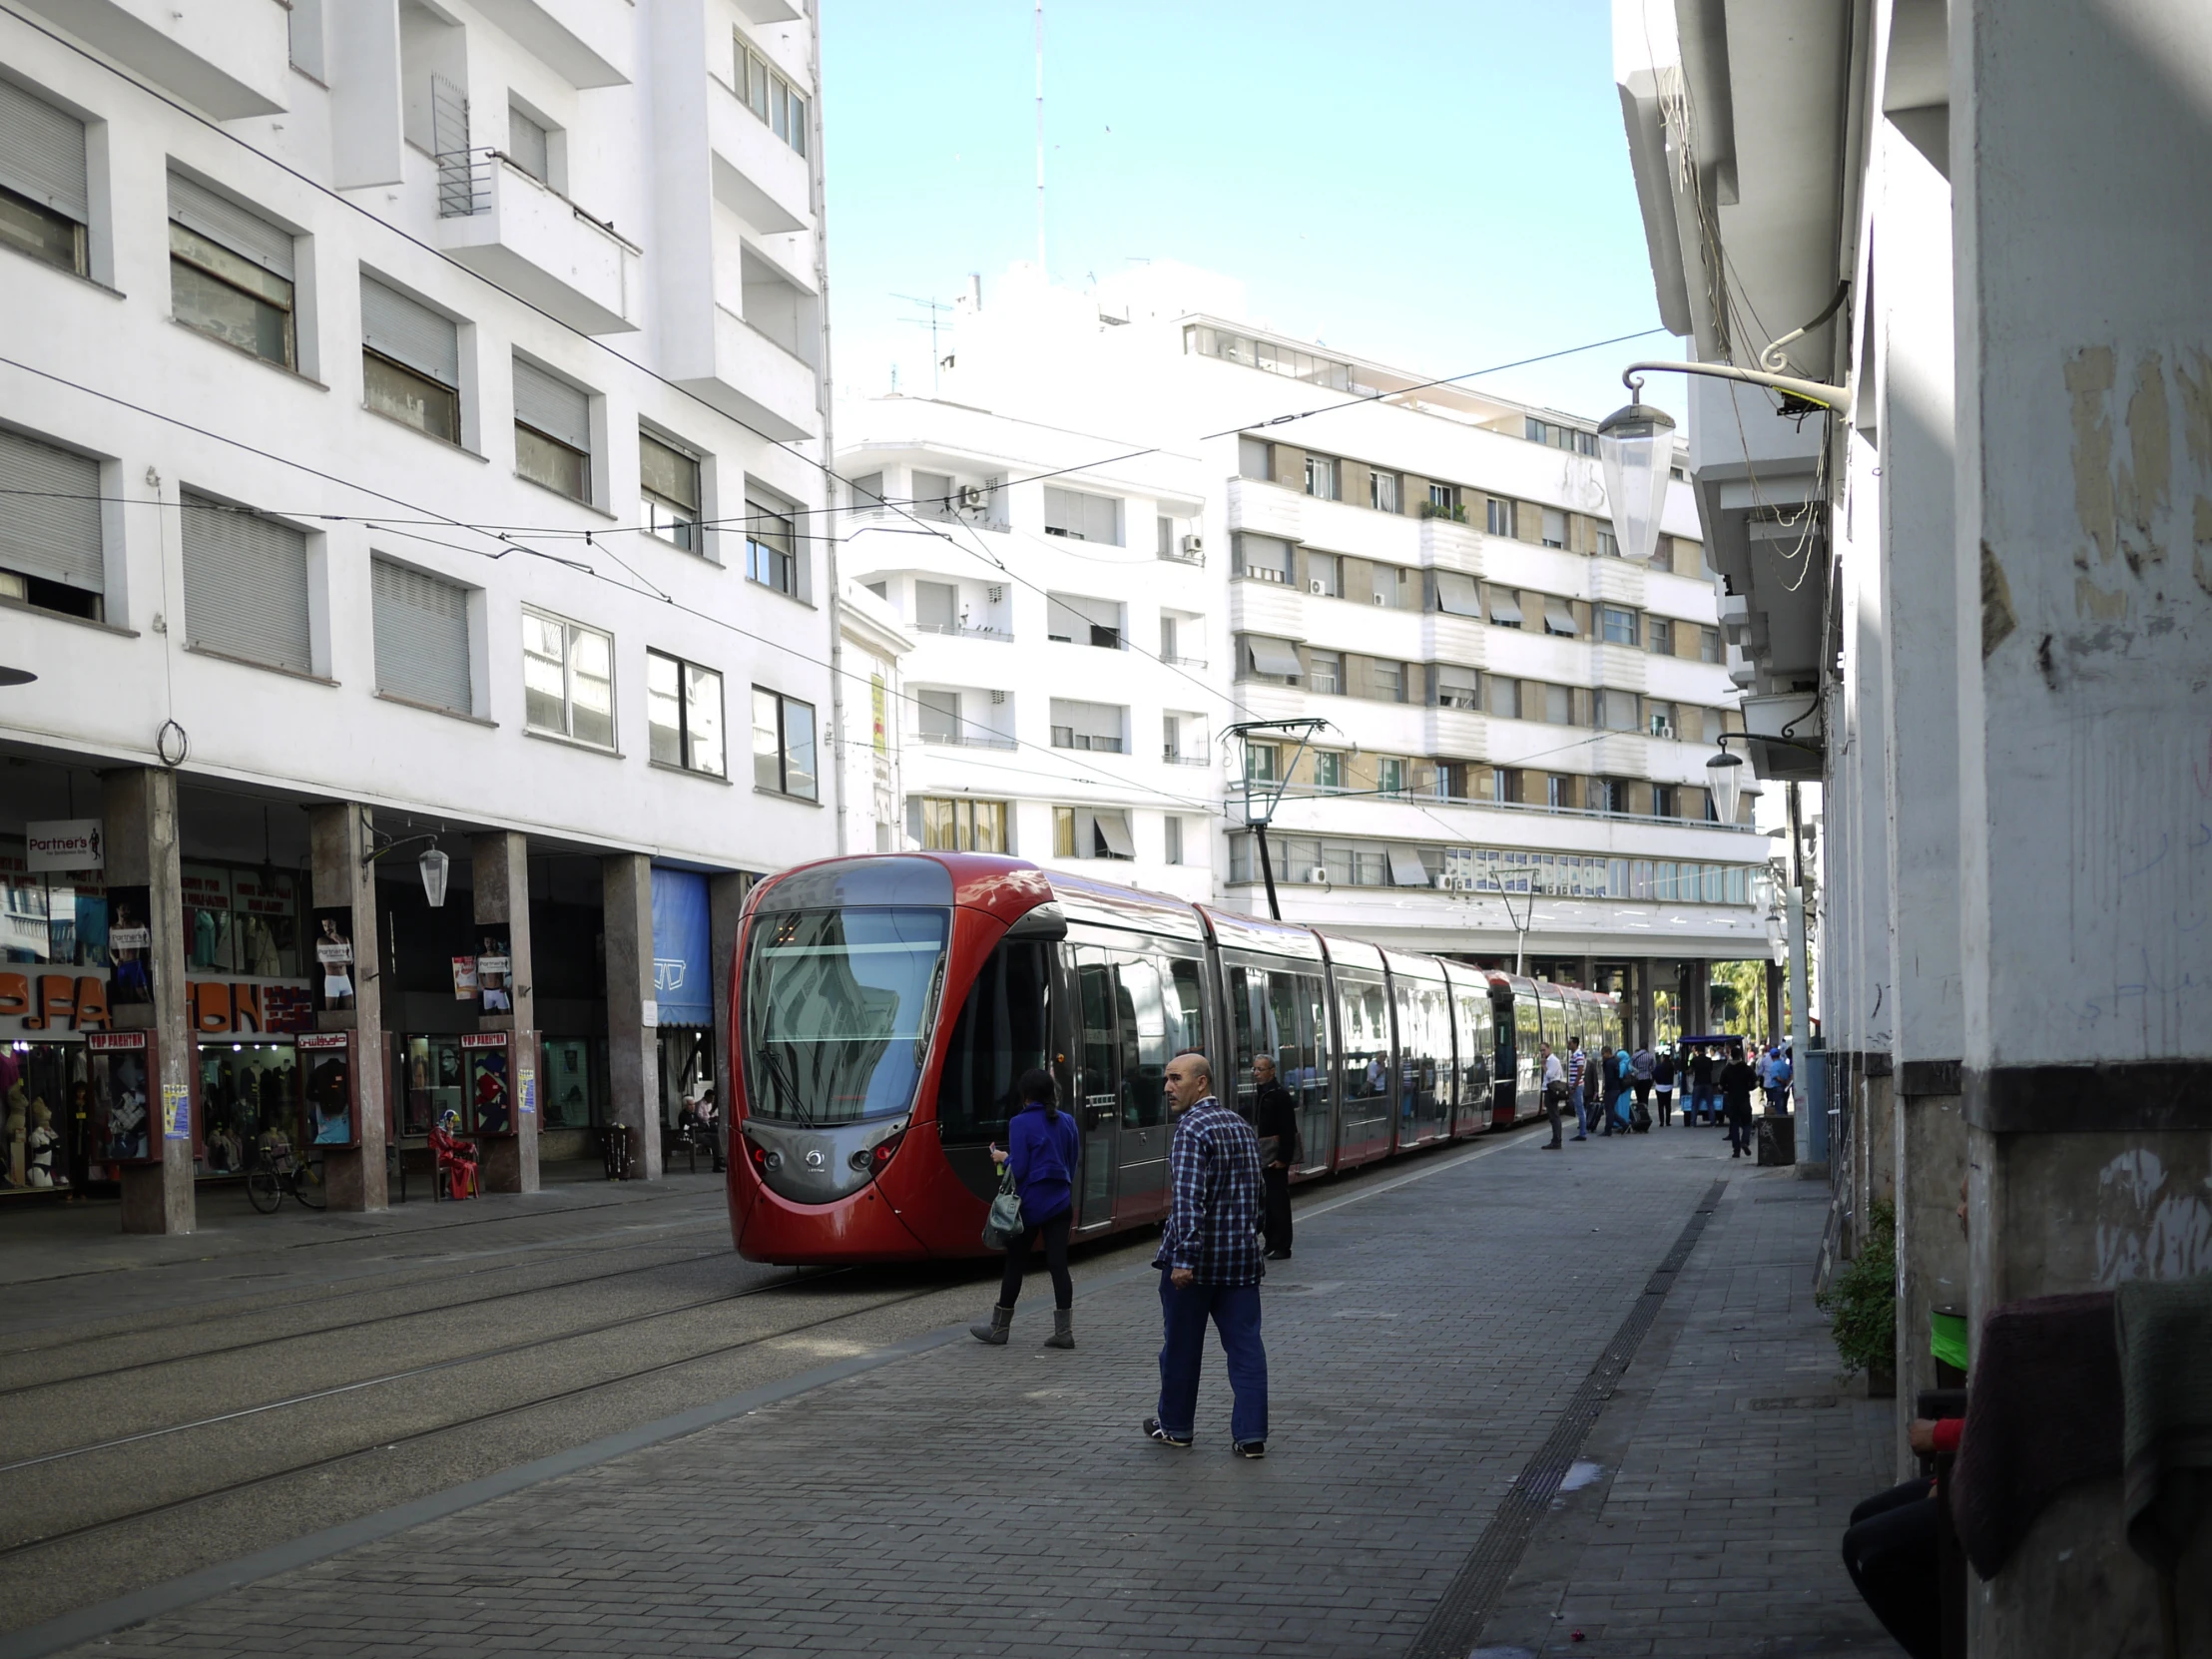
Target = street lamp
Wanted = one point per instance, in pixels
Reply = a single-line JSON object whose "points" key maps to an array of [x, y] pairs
{"points": [[1724, 776], [1635, 445], [433, 864]]}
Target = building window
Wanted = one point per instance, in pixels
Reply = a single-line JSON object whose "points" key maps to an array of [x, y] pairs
{"points": [[1659, 718], [1555, 527], [1261, 558], [1612, 794], [1443, 501], [51, 551], [422, 628], [771, 548], [783, 743], [1085, 833], [246, 585], [1382, 491], [1708, 645], [1664, 800], [1506, 786], [1263, 763], [963, 826], [1262, 658], [410, 362], [552, 431], [1320, 477], [1558, 792], [1081, 516], [1505, 611], [1501, 522], [1171, 836], [1093, 726], [1505, 697], [683, 710], [1390, 773], [938, 716], [1617, 624], [1329, 769], [1659, 636], [1388, 681], [1558, 706], [568, 679], [1324, 575], [1324, 672], [1074, 620], [1617, 709], [230, 272], [1265, 354], [770, 97], [1256, 459], [529, 145], [1457, 688], [43, 201], [1559, 617], [667, 479]]}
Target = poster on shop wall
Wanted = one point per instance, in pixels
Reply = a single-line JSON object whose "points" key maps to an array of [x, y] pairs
{"points": [[129, 949], [207, 894], [327, 1057], [495, 968], [464, 978], [334, 958]]}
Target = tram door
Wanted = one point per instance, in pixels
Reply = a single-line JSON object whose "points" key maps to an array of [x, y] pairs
{"points": [[1095, 1095]]}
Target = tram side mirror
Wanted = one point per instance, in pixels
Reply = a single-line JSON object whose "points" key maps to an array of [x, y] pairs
{"points": [[1046, 921]]}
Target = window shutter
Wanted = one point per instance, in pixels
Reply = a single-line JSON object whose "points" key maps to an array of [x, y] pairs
{"points": [[1113, 829], [552, 406], [1559, 617], [1271, 656], [667, 471], [421, 636], [395, 326], [1505, 608], [1407, 869], [227, 225], [1456, 595], [42, 152], [51, 529], [246, 585]]}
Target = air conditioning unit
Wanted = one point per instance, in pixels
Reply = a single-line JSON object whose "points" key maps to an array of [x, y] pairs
{"points": [[1317, 877], [998, 698], [1381, 599], [973, 498], [1315, 585], [1194, 546]]}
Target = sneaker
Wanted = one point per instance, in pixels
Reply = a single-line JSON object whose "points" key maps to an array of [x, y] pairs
{"points": [[1278, 1256], [1551, 1146], [1181, 1442], [1252, 1448], [1578, 1137]]}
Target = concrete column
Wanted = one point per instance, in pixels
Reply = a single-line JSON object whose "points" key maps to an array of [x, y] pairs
{"points": [[338, 840], [726, 895], [633, 1046], [2085, 582], [499, 873], [1644, 1022], [139, 806], [1912, 381]]}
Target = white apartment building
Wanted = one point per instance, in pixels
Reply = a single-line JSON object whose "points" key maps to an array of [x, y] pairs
{"points": [[872, 743], [1518, 721], [415, 433], [1068, 676]]}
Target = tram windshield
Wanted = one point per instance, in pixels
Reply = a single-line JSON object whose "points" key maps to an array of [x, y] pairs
{"points": [[838, 1008]]}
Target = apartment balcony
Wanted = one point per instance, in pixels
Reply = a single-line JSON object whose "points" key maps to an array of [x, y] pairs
{"points": [[1266, 510], [229, 58], [1259, 607], [1456, 732], [1621, 581], [1623, 666], [961, 631], [1344, 527], [588, 43], [963, 740], [1193, 556], [1456, 639], [759, 382], [1179, 758], [1446, 544], [757, 175], [529, 239]]}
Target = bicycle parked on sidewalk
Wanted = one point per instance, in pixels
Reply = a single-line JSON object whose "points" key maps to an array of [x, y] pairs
{"points": [[276, 1171]]}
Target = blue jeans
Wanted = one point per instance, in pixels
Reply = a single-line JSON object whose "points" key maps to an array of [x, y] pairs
{"points": [[1581, 1112], [1235, 1310]]}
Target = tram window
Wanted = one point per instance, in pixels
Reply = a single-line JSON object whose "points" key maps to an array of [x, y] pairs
{"points": [[1003, 1030], [1366, 1024], [1143, 1042], [1094, 988], [1186, 1006]]}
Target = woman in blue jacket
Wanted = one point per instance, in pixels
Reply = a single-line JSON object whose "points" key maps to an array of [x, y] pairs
{"points": [[1042, 1146]]}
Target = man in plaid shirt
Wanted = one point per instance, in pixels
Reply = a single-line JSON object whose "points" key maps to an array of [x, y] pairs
{"points": [[1210, 1263]]}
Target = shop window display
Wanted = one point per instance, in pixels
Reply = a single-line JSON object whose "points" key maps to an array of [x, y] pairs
{"points": [[573, 1085], [687, 1070], [431, 1068], [243, 921], [245, 1089]]}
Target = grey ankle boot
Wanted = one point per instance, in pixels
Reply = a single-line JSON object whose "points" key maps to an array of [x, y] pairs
{"points": [[1003, 1320], [1063, 1328]]}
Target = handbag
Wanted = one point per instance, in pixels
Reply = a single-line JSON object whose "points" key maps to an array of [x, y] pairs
{"points": [[1003, 1227]]}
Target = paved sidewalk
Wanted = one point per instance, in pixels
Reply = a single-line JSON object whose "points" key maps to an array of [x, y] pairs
{"points": [[968, 1500]]}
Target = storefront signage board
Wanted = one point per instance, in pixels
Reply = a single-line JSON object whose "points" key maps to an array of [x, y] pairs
{"points": [[490, 1097], [328, 1086], [65, 844]]}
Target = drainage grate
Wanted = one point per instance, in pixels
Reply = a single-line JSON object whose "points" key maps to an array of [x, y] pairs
{"points": [[1473, 1593]]}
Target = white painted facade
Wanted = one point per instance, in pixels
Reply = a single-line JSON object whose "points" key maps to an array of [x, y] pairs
{"points": [[1134, 363], [600, 276]]}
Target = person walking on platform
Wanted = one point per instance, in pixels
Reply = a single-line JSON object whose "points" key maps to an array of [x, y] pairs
{"points": [[1554, 1092], [1578, 1067], [1275, 1116], [1042, 1147], [1737, 1080], [1209, 1261], [1662, 1084], [1605, 1083], [1644, 1065]]}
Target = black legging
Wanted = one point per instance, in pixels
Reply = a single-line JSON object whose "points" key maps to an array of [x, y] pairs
{"points": [[1890, 1553], [1055, 1234]]}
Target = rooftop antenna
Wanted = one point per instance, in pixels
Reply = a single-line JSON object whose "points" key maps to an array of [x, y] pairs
{"points": [[935, 310], [1040, 139]]}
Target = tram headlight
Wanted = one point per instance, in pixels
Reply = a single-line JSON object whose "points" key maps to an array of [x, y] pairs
{"points": [[871, 1160], [764, 1160]]}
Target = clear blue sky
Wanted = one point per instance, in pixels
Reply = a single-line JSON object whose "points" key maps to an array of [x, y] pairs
{"points": [[1442, 185]]}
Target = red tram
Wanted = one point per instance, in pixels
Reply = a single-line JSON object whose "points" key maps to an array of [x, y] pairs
{"points": [[888, 1005]]}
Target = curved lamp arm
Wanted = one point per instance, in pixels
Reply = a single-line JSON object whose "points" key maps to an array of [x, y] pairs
{"points": [[1838, 398]]}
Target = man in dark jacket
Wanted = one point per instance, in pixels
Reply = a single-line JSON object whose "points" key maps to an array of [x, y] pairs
{"points": [[1737, 1080], [1275, 1116]]}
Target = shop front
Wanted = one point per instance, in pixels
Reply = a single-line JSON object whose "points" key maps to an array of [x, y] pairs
{"points": [[683, 990]]}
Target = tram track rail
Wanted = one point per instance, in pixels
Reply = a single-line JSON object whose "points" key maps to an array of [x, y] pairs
{"points": [[345, 1327], [388, 1442]]}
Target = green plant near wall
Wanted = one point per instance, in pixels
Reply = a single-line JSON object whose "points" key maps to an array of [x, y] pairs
{"points": [[1456, 512], [1862, 1302]]}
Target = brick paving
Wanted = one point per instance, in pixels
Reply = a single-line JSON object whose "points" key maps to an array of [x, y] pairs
{"points": [[976, 1501]]}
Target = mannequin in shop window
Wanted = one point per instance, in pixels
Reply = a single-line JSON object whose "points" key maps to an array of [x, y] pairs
{"points": [[17, 1171], [222, 1150], [42, 1144]]}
